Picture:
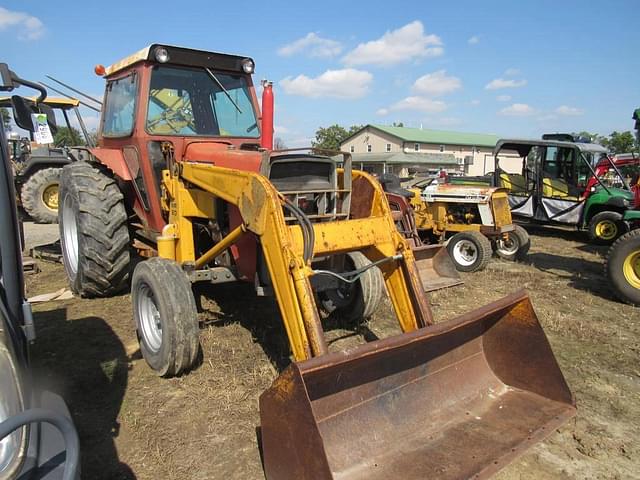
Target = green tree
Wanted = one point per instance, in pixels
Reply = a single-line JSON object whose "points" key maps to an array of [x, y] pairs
{"points": [[6, 118], [67, 137], [621, 142], [594, 137], [329, 138], [397, 124]]}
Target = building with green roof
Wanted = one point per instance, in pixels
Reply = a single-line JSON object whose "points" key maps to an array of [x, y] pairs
{"points": [[401, 150]]}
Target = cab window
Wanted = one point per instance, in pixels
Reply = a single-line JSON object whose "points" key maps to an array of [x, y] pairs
{"points": [[119, 108]]}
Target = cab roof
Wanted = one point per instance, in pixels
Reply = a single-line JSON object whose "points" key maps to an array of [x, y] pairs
{"points": [[181, 56], [53, 102], [522, 146]]}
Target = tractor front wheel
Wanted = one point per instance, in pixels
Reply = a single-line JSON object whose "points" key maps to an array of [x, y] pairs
{"points": [[359, 300], [94, 234], [515, 247], [605, 227], [39, 195], [622, 267], [470, 251], [166, 318]]}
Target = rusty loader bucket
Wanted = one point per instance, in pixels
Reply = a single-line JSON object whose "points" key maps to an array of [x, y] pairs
{"points": [[435, 267], [459, 399]]}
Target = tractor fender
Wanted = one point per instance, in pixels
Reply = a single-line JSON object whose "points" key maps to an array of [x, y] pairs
{"points": [[113, 159], [38, 163]]}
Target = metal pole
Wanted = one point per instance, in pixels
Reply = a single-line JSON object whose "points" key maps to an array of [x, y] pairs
{"points": [[74, 90], [87, 139], [69, 96]]}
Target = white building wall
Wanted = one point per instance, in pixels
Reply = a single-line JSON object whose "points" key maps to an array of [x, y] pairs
{"points": [[482, 160], [376, 139]]}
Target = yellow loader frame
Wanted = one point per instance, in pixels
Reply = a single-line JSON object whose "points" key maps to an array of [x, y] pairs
{"points": [[189, 192]]}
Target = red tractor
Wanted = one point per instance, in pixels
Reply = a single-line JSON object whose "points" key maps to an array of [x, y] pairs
{"points": [[184, 173]]}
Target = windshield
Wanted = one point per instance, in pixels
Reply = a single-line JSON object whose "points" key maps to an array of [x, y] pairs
{"points": [[197, 102]]}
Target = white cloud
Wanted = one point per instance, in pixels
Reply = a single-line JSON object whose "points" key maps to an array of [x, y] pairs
{"points": [[280, 130], [436, 84], [499, 83], [475, 102], [347, 83], [512, 71], [397, 46], [503, 98], [30, 27], [474, 40], [420, 104], [518, 110], [314, 45], [569, 111]]}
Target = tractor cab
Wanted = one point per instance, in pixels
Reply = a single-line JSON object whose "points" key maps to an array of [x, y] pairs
{"points": [[558, 184], [164, 104]]}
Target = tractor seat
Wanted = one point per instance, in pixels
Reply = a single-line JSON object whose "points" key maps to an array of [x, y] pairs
{"points": [[391, 183], [557, 188], [514, 182]]}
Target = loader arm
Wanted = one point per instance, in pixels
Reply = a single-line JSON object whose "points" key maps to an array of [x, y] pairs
{"points": [[261, 208]]}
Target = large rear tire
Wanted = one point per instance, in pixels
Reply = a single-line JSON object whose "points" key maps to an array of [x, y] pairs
{"points": [[622, 267], [515, 247], [39, 195], [166, 317], [94, 235], [606, 227], [359, 300], [470, 251]]}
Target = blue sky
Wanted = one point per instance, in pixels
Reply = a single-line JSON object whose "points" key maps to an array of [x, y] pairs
{"points": [[504, 67]]}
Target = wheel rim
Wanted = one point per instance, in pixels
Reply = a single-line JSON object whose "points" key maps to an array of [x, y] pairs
{"points": [[50, 197], [149, 318], [631, 269], [70, 234], [509, 246], [465, 253], [606, 230]]}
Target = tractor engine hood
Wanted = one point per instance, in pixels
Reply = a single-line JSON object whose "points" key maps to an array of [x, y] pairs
{"points": [[223, 155], [458, 192]]}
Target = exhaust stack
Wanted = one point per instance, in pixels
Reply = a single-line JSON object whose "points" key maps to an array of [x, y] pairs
{"points": [[267, 115]]}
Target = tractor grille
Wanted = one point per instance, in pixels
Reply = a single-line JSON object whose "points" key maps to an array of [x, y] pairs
{"points": [[501, 210], [310, 183]]}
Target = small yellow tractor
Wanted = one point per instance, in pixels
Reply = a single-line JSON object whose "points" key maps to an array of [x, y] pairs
{"points": [[474, 222], [196, 186]]}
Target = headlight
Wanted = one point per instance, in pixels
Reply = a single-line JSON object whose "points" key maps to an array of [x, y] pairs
{"points": [[10, 404], [162, 55], [626, 203], [248, 66]]}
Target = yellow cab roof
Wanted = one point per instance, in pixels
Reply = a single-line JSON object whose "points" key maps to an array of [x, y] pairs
{"points": [[53, 102]]}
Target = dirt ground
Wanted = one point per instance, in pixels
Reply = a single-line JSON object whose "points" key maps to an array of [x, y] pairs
{"points": [[133, 424]]}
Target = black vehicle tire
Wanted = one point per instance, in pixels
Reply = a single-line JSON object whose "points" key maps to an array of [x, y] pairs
{"points": [[515, 247], [622, 267], [469, 251], [606, 227], [39, 195], [94, 235], [166, 317], [358, 301]]}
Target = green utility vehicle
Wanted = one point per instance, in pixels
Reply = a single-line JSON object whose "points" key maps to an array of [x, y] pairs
{"points": [[554, 185]]}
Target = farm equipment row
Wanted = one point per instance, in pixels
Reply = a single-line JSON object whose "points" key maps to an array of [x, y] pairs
{"points": [[192, 185]]}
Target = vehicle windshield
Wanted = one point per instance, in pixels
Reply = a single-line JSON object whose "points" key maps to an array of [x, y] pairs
{"points": [[197, 102]]}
